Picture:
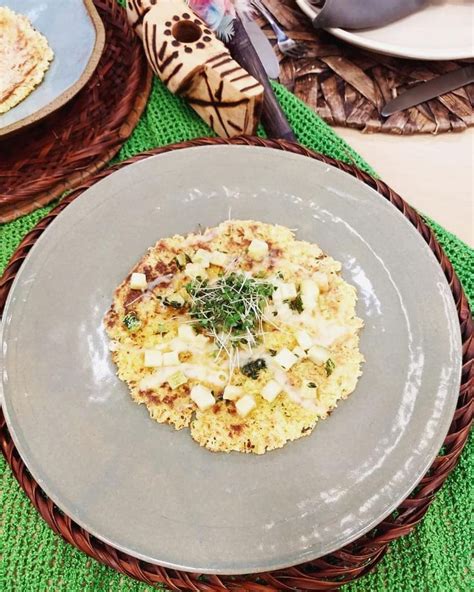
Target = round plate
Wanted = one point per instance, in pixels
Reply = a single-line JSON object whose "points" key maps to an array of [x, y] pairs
{"points": [[76, 34], [152, 491], [443, 30]]}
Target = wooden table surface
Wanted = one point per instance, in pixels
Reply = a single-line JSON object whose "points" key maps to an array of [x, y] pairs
{"points": [[435, 174]]}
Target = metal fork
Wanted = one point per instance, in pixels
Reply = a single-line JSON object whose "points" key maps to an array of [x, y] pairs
{"points": [[287, 46]]}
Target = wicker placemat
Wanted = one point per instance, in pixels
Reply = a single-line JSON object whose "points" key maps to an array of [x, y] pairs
{"points": [[348, 86], [40, 163], [326, 573]]}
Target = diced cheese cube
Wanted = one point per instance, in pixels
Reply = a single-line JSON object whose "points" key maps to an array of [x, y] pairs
{"points": [[284, 292], [286, 358], [193, 270], [201, 340], [152, 358], [201, 257], [319, 354], [202, 396], [271, 391], [258, 249], [304, 340], [177, 345], [322, 280], [218, 258], [288, 291], [181, 260], [176, 299], [232, 393], [177, 379], [245, 405], [138, 281], [283, 312], [309, 294], [170, 358], [186, 333], [299, 351]]}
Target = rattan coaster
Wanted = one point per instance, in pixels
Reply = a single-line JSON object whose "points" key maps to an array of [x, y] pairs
{"points": [[40, 163], [325, 573], [348, 86]]}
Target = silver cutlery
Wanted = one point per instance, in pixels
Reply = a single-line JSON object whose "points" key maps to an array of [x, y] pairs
{"points": [[287, 46], [263, 47], [430, 89]]}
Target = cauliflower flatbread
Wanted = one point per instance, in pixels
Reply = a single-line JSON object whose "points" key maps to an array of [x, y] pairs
{"points": [[24, 58], [242, 333]]}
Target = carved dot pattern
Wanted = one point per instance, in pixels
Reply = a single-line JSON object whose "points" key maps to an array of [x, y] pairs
{"points": [[186, 46]]}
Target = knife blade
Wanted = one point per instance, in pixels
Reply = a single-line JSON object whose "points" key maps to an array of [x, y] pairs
{"points": [[263, 47], [430, 89]]}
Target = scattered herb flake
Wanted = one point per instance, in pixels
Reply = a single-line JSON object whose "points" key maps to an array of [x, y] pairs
{"points": [[272, 352], [131, 321], [311, 385], [253, 368], [297, 304], [329, 366]]}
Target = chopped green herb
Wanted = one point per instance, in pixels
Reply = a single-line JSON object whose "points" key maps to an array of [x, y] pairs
{"points": [[181, 260], [311, 385], [232, 304], [329, 366], [253, 368], [280, 275], [131, 321], [175, 301], [297, 304], [272, 352]]}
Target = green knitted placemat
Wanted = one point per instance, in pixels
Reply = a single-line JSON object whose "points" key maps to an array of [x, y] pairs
{"points": [[434, 557]]}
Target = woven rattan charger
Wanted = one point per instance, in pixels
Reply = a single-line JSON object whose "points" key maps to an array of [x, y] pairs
{"points": [[348, 86], [325, 573], [41, 162]]}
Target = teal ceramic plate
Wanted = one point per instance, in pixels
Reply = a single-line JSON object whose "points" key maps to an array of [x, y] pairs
{"points": [[76, 35], [152, 491]]}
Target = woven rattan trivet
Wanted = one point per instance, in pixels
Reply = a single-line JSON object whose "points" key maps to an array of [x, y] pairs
{"points": [[40, 163], [348, 86], [326, 573]]}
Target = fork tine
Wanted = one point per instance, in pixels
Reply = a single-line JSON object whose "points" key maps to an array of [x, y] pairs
{"points": [[296, 52]]}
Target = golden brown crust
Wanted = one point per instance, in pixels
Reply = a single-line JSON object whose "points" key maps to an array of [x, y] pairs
{"points": [[220, 428], [24, 58]]}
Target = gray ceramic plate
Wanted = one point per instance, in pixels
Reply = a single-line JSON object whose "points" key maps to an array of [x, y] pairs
{"points": [[76, 35], [154, 492]]}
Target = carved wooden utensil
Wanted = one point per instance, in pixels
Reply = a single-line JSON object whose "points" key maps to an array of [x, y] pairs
{"points": [[192, 62]]}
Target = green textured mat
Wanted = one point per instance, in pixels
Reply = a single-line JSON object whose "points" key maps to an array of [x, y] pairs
{"points": [[435, 557]]}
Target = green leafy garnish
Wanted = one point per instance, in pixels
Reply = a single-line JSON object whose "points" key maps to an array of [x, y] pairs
{"points": [[311, 385], [253, 368], [232, 305], [296, 304], [131, 321], [329, 366], [272, 352]]}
